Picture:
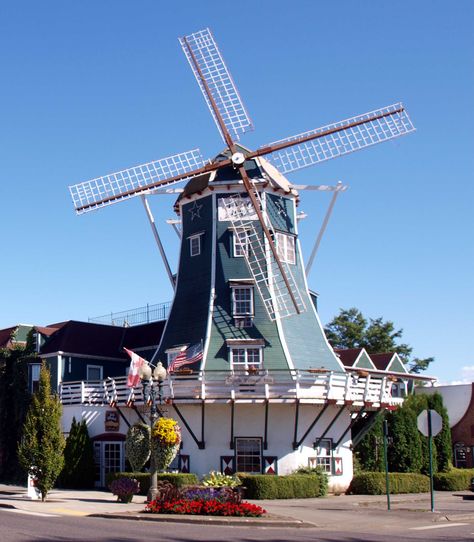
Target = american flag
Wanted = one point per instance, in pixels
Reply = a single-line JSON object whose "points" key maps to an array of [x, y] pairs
{"points": [[191, 355]]}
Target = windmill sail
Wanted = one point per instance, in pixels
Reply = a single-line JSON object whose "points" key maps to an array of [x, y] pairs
{"points": [[337, 139], [127, 183], [201, 49]]}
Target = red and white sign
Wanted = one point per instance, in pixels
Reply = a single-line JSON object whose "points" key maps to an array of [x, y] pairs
{"points": [[337, 466]]}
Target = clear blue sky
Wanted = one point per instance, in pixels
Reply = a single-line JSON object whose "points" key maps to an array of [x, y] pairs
{"points": [[94, 86]]}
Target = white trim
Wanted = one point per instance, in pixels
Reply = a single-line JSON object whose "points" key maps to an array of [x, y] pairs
{"points": [[212, 293], [86, 356], [59, 371]]}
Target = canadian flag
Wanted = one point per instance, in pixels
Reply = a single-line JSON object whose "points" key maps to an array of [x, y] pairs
{"points": [[135, 364]]}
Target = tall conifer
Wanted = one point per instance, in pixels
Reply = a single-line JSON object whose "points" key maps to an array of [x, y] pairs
{"points": [[40, 451]]}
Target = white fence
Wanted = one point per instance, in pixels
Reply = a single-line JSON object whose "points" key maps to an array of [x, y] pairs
{"points": [[309, 386]]}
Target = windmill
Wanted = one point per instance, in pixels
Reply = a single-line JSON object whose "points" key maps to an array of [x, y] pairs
{"points": [[282, 294]]}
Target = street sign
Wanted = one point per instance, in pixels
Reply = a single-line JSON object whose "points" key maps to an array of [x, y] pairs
{"points": [[436, 423]]}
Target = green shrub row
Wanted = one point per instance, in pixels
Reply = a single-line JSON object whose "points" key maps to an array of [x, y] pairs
{"points": [[177, 479], [293, 486], [454, 480], [373, 483]]}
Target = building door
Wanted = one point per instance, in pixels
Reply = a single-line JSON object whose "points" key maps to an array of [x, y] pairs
{"points": [[109, 457]]}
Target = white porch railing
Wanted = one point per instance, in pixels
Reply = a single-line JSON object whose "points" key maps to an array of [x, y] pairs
{"points": [[310, 386]]}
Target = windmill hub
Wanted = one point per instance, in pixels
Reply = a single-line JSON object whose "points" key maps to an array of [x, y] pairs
{"points": [[238, 158]]}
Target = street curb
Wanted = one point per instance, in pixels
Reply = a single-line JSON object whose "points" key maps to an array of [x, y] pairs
{"points": [[210, 520], [4, 505]]}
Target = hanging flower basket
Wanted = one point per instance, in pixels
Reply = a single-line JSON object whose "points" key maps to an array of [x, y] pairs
{"points": [[165, 442]]}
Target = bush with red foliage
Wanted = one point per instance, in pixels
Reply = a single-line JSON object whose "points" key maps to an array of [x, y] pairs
{"points": [[211, 507]]}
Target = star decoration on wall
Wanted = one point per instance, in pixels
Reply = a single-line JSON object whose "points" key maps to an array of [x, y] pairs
{"points": [[195, 211], [280, 206]]}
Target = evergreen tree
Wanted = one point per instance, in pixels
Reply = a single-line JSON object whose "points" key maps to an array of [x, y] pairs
{"points": [[405, 453], [79, 466], [40, 451], [14, 403], [369, 451], [442, 440], [418, 403]]}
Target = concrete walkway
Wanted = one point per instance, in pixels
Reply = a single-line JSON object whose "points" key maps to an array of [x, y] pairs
{"points": [[329, 512]]}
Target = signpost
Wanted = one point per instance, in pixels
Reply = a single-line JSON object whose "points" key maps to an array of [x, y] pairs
{"points": [[430, 423]]}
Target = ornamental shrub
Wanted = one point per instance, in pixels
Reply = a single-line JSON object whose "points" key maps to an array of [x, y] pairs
{"points": [[293, 486], [165, 441], [177, 479], [373, 483], [137, 445], [218, 479], [124, 488], [454, 480], [320, 474]]}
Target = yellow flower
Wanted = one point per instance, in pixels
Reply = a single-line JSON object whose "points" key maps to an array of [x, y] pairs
{"points": [[166, 431]]}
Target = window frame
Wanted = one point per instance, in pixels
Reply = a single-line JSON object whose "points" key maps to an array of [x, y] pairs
{"points": [[243, 248], [286, 250], [195, 250], [241, 468], [323, 460], [33, 383], [245, 365], [240, 313], [101, 370]]}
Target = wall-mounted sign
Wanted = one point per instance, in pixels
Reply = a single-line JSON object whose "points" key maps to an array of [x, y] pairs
{"points": [[337, 466], [112, 422]]}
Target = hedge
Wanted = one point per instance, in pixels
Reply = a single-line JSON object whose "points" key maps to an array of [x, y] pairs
{"points": [[293, 486], [454, 480], [373, 483], [177, 479]]}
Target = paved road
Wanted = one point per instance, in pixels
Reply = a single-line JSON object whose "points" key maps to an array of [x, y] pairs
{"points": [[24, 526]]}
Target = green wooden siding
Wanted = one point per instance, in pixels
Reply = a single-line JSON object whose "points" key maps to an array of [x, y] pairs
{"points": [[364, 362], [223, 328], [187, 321]]}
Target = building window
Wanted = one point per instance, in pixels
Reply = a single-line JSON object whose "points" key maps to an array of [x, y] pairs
{"points": [[195, 245], [240, 243], [323, 457], [242, 301], [246, 357], [248, 454], [460, 455], [33, 377], [286, 247], [94, 372]]}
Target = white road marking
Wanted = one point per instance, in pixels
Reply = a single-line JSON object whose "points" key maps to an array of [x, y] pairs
{"points": [[442, 526], [40, 514]]}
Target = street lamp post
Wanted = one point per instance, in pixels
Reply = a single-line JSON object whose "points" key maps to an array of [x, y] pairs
{"points": [[148, 378]]}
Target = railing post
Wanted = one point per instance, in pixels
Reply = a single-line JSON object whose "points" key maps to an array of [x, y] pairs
{"points": [[83, 392], [348, 391], [383, 384], [366, 389]]}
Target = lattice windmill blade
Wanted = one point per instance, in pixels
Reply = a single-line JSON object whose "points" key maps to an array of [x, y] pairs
{"points": [[202, 46], [114, 187], [337, 139]]}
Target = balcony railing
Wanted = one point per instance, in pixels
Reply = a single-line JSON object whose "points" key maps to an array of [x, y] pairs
{"points": [[219, 386]]}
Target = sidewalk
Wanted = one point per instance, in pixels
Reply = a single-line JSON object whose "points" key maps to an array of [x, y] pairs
{"points": [[329, 512]]}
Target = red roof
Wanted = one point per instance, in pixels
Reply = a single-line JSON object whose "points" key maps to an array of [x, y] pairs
{"points": [[6, 335], [382, 361], [348, 356]]}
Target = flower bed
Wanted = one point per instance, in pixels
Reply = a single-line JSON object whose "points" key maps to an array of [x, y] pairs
{"points": [[201, 500], [211, 507]]}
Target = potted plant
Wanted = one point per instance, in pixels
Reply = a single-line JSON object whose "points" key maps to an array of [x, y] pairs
{"points": [[125, 488]]}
